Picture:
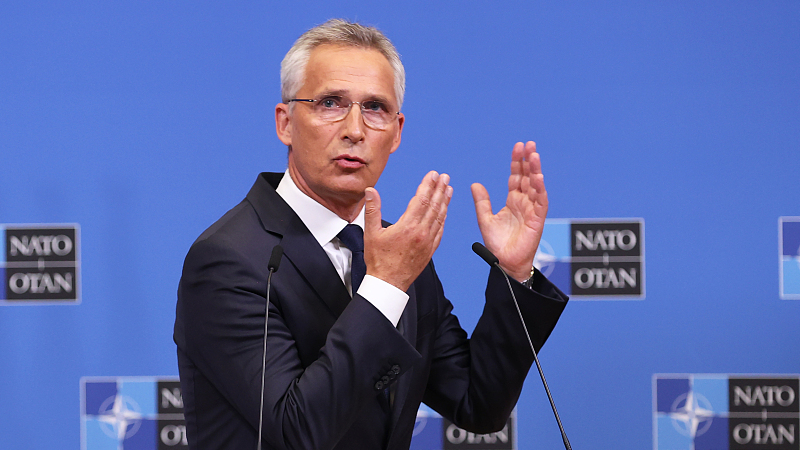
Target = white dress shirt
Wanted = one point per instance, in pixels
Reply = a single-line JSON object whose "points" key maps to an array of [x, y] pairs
{"points": [[324, 225]]}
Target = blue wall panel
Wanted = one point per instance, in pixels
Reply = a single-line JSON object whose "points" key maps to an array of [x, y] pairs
{"points": [[144, 122]]}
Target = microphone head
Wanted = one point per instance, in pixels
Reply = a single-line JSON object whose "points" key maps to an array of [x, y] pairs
{"points": [[275, 258], [485, 254]]}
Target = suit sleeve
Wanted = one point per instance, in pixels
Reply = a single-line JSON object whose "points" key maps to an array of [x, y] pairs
{"points": [[221, 311], [476, 382]]}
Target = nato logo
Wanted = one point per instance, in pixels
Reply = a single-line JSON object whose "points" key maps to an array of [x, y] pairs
{"points": [[40, 264], [132, 413], [789, 237], [598, 258], [433, 432], [725, 412]]}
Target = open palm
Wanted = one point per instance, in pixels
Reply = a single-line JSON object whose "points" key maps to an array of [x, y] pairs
{"points": [[513, 233]]}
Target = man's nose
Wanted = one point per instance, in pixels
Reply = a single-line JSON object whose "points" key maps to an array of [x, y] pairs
{"points": [[354, 123]]}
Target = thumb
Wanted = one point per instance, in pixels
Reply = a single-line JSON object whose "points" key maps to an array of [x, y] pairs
{"points": [[483, 206], [372, 211]]}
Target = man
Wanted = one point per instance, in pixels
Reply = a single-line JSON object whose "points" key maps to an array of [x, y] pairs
{"points": [[349, 361]]}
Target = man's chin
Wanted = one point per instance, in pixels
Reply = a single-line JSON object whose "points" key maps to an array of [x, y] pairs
{"points": [[347, 190]]}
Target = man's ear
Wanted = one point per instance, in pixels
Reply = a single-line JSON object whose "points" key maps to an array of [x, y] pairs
{"points": [[399, 133], [283, 123]]}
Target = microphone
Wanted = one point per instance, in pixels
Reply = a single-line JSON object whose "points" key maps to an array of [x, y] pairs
{"points": [[272, 265], [492, 260], [485, 254], [275, 259]]}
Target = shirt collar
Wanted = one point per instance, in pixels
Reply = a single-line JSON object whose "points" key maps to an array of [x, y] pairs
{"points": [[323, 223]]}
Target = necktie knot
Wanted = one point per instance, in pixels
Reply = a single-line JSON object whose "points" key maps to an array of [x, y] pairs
{"points": [[352, 237]]}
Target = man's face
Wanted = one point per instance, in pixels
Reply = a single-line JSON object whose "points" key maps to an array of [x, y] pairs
{"points": [[334, 162]]}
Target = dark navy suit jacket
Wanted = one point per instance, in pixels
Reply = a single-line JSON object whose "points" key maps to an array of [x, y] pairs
{"points": [[329, 358]]}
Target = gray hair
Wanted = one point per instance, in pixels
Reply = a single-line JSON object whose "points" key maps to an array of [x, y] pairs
{"points": [[340, 32]]}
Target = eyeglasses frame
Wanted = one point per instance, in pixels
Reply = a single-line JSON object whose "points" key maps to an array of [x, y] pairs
{"points": [[349, 107]]}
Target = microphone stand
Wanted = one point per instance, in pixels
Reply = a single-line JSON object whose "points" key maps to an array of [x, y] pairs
{"points": [[492, 260]]}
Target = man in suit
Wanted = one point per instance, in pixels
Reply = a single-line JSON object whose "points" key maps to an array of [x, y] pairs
{"points": [[358, 333]]}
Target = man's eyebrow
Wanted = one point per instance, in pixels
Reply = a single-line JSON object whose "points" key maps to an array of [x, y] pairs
{"points": [[334, 93]]}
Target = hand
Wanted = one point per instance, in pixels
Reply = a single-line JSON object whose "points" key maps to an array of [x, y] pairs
{"points": [[513, 233], [398, 254]]}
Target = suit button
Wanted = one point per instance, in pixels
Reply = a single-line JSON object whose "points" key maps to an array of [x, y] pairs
{"points": [[396, 369], [385, 379], [379, 385]]}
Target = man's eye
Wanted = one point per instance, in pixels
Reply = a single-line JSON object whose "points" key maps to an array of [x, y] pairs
{"points": [[374, 106], [329, 102]]}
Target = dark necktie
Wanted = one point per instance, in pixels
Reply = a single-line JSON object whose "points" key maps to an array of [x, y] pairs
{"points": [[353, 238]]}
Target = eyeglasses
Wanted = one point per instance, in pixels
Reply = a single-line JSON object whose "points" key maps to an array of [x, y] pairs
{"points": [[333, 109]]}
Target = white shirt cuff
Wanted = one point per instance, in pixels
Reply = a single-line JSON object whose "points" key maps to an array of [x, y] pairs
{"points": [[389, 300]]}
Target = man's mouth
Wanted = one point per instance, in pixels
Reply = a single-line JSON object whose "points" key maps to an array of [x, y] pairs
{"points": [[349, 161]]}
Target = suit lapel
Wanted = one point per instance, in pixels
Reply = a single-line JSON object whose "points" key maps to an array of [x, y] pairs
{"points": [[299, 245], [315, 266]]}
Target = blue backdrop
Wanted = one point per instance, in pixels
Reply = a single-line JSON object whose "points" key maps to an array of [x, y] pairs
{"points": [[143, 122]]}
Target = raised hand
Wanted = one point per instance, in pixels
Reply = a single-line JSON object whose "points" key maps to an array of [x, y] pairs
{"points": [[398, 254], [513, 233]]}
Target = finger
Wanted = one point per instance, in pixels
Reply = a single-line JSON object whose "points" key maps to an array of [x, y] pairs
{"points": [[535, 175], [529, 166], [418, 205], [538, 194], [530, 147], [517, 166], [483, 206], [438, 237], [440, 220], [541, 204], [428, 182], [437, 203], [532, 157], [448, 193], [372, 212], [528, 155], [518, 152]]}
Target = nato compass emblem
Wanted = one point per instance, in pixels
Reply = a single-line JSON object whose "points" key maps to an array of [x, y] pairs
{"points": [[120, 417], [131, 413], [789, 237], [690, 412]]}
